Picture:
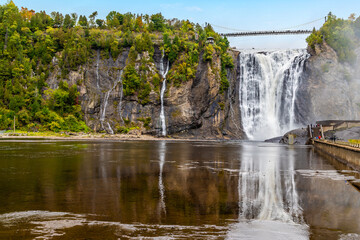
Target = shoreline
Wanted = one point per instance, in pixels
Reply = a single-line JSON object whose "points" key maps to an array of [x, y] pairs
{"points": [[101, 137]]}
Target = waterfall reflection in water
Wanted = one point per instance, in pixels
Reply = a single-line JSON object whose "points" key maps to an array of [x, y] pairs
{"points": [[162, 151], [184, 190], [268, 200]]}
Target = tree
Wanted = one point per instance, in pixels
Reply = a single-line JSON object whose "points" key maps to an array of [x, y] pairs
{"points": [[67, 21], [83, 21], [158, 22], [352, 17], [58, 19], [100, 23], [114, 19], [74, 17], [92, 19]]}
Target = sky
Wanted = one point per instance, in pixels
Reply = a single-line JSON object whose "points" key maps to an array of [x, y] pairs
{"points": [[234, 14]]}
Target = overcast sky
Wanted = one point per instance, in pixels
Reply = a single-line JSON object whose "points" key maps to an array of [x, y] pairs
{"points": [[234, 14]]}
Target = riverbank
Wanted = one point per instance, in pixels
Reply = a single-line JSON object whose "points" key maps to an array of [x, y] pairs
{"points": [[92, 136]]}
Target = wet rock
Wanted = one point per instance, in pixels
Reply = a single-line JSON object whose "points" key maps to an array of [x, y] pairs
{"points": [[274, 140], [300, 136]]}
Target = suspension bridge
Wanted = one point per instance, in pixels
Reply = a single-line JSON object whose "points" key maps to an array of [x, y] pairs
{"points": [[287, 31], [256, 33]]}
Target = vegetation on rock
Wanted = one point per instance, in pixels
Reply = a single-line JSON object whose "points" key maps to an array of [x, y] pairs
{"points": [[33, 43], [342, 35]]}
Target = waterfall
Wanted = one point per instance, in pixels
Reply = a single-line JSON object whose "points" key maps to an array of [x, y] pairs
{"points": [[105, 102], [163, 72], [267, 92], [97, 70], [121, 96]]}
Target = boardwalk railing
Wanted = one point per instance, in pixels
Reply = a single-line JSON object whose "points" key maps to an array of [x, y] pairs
{"points": [[255, 33], [354, 145]]}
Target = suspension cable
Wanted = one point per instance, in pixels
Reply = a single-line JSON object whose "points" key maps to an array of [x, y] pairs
{"points": [[239, 30]]}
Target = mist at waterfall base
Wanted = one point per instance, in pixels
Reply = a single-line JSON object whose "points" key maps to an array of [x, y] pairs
{"points": [[268, 83]]}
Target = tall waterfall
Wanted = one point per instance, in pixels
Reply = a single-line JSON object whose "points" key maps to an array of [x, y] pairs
{"points": [[163, 72], [105, 103], [267, 92]]}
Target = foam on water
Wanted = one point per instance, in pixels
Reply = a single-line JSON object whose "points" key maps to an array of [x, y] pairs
{"points": [[260, 230], [54, 224]]}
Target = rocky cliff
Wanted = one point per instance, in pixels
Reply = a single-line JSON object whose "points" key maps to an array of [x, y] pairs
{"points": [[196, 109], [330, 88]]}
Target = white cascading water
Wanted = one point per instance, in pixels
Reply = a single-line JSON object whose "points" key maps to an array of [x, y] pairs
{"points": [[267, 92], [163, 72], [105, 102], [121, 96], [97, 70]]}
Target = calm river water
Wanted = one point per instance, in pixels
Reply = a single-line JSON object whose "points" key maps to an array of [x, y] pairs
{"points": [[174, 190]]}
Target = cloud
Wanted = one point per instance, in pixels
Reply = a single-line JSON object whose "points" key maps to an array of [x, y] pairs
{"points": [[171, 5], [193, 9], [180, 6]]}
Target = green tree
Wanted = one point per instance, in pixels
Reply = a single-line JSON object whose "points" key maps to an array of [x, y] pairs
{"points": [[158, 22]]}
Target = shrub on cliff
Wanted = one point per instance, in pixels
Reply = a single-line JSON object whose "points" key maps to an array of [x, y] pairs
{"points": [[314, 38], [340, 34]]}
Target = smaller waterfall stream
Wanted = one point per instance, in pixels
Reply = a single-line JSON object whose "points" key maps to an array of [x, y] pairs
{"points": [[163, 72], [97, 70], [121, 93], [105, 103]]}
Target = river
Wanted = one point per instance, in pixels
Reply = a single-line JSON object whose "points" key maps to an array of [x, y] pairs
{"points": [[174, 190]]}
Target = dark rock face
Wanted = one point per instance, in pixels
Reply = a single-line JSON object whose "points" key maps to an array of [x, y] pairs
{"points": [[196, 109], [329, 89]]}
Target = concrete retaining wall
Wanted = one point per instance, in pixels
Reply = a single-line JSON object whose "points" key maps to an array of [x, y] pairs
{"points": [[345, 154]]}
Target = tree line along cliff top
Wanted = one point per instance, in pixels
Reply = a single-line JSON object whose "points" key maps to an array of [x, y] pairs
{"points": [[30, 41], [342, 35]]}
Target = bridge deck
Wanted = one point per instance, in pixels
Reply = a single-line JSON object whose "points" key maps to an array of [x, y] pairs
{"points": [[255, 33]]}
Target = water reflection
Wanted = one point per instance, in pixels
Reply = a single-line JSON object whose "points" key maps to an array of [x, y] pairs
{"points": [[268, 201], [188, 190], [162, 151], [267, 185]]}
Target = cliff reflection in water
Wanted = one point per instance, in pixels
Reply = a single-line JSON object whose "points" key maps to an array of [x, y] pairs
{"points": [[240, 189]]}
